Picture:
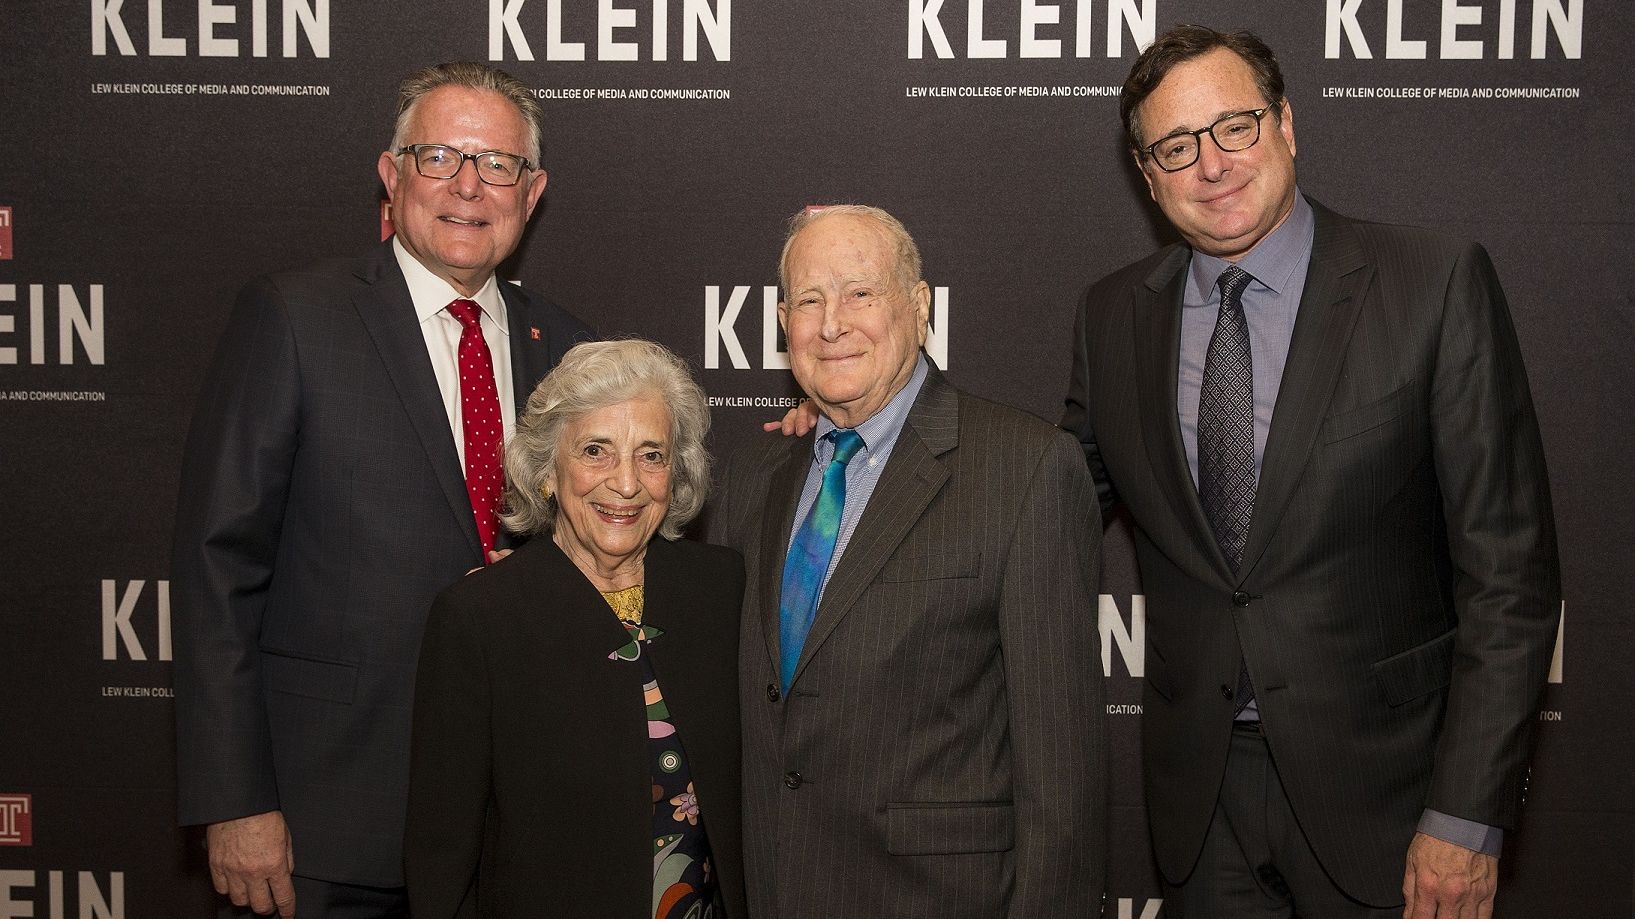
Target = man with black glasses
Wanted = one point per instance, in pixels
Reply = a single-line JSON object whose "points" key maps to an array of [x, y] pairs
{"points": [[1322, 433], [343, 467]]}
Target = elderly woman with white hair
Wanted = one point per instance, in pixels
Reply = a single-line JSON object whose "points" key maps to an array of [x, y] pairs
{"points": [[575, 748]]}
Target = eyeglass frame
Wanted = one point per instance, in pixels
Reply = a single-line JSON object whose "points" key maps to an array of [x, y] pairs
{"points": [[1198, 137], [412, 149]]}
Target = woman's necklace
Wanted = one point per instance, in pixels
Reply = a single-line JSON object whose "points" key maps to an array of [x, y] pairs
{"points": [[627, 603]]}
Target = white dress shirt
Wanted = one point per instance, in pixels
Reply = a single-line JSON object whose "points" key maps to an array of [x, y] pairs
{"points": [[432, 295]]}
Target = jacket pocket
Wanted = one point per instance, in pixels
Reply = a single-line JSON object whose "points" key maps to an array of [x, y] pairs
{"points": [[1419, 670], [950, 829], [314, 679], [1368, 417]]}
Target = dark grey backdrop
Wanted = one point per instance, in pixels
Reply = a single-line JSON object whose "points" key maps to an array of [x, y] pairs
{"points": [[139, 201]]}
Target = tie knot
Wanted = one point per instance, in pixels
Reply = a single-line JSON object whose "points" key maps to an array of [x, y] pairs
{"points": [[467, 311], [847, 442], [1232, 282]]}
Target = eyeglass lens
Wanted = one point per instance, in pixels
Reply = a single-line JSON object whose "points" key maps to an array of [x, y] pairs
{"points": [[436, 161]]}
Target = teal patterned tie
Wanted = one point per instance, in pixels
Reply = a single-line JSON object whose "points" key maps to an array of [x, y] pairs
{"points": [[810, 553]]}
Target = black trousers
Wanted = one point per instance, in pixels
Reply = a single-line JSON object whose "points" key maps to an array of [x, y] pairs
{"points": [[1256, 862]]}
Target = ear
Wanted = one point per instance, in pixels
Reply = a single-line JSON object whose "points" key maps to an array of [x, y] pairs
{"points": [[783, 317], [1141, 167], [536, 187], [1285, 124], [387, 167], [921, 298]]}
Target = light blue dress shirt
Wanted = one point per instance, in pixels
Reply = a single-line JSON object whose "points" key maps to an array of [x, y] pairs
{"points": [[879, 435]]}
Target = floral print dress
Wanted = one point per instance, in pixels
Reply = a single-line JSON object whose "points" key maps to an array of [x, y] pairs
{"points": [[684, 883]]}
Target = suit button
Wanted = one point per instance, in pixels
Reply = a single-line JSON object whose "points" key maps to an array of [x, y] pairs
{"points": [[1226, 692], [772, 694], [1240, 598], [792, 779]]}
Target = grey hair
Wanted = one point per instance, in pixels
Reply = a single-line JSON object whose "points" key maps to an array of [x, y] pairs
{"points": [[595, 375], [902, 244], [470, 75]]}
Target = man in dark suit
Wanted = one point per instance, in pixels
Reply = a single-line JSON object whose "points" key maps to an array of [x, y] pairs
{"points": [[1322, 432], [922, 713], [342, 468]]}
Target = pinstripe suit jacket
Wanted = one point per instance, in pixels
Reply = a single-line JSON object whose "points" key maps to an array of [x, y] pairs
{"points": [[941, 749], [1397, 597]]}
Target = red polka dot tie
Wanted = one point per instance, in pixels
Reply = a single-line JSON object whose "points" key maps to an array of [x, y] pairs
{"points": [[481, 419]]}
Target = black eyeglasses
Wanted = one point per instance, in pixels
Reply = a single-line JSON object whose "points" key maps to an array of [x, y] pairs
{"points": [[1234, 132], [440, 161]]}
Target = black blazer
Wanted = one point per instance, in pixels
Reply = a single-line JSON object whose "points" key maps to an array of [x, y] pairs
{"points": [[1398, 594], [322, 507], [529, 790]]}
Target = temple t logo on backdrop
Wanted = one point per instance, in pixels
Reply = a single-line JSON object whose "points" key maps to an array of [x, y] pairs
{"points": [[16, 820]]}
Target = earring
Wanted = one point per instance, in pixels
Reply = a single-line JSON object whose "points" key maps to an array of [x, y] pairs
{"points": [[545, 492]]}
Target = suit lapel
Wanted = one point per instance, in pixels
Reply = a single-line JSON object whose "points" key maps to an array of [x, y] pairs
{"points": [[1336, 280], [387, 312], [1157, 324], [530, 346], [777, 522], [912, 477]]}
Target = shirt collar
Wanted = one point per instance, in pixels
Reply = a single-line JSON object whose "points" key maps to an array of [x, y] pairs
{"points": [[1272, 262], [882, 428], [431, 294]]}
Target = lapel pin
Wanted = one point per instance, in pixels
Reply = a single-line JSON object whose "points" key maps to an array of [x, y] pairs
{"points": [[533, 332]]}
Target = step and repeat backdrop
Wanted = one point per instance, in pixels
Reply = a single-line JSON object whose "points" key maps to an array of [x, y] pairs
{"points": [[159, 153]]}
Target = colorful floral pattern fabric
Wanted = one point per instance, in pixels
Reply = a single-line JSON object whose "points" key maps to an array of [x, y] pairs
{"points": [[684, 884]]}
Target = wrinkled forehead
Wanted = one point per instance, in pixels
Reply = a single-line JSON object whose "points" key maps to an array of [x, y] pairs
{"points": [[841, 244]]}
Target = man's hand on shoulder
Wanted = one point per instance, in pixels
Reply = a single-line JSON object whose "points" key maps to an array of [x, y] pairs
{"points": [[797, 421], [1446, 881], [250, 861]]}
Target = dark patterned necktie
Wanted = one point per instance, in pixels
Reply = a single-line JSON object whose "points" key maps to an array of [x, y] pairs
{"points": [[1226, 423], [484, 427], [809, 555], [1226, 437]]}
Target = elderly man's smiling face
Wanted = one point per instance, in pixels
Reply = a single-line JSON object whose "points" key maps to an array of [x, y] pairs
{"points": [[854, 323], [461, 228]]}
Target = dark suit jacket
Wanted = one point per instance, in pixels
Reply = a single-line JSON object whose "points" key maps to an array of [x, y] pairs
{"points": [[322, 507], [941, 751], [1398, 593], [530, 755]]}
